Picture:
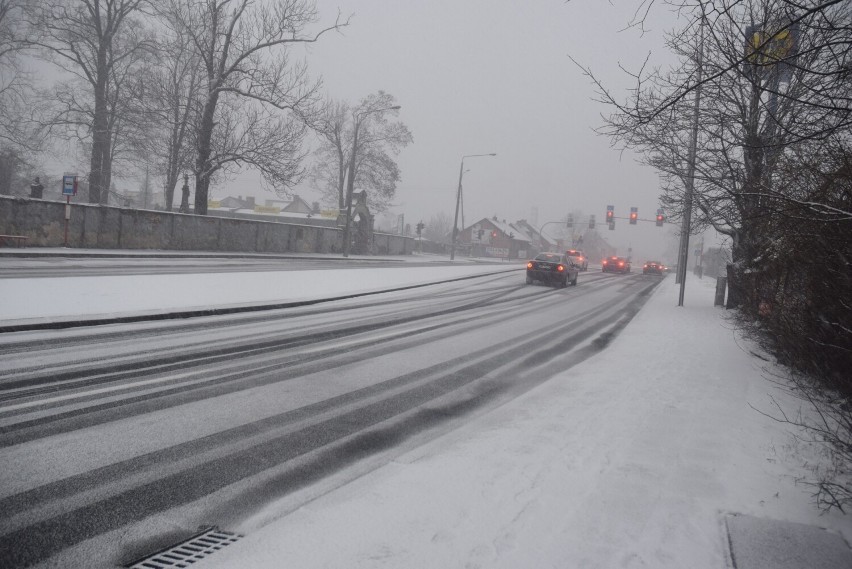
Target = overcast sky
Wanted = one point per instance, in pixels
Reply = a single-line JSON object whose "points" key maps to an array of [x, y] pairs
{"points": [[482, 76]]}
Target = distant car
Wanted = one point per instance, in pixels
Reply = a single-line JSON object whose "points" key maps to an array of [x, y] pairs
{"points": [[579, 258], [552, 268], [653, 268], [615, 265]]}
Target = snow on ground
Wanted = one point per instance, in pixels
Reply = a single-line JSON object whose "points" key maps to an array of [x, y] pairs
{"points": [[630, 459], [70, 297]]}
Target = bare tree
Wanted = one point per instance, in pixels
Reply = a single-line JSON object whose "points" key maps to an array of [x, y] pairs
{"points": [[717, 16], [773, 171], [243, 48], [20, 135], [438, 228], [379, 141], [759, 101], [328, 173], [172, 98], [97, 42]]}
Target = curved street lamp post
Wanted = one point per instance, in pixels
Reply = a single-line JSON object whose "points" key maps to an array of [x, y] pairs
{"points": [[350, 183], [458, 200]]}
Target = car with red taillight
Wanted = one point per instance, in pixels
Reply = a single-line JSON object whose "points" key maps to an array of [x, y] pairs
{"points": [[615, 265], [653, 268], [579, 258], [552, 268]]}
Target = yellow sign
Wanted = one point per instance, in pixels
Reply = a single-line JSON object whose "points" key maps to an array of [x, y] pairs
{"points": [[267, 209], [330, 213], [213, 204], [762, 48]]}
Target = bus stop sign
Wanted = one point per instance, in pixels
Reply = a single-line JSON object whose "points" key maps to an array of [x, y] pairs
{"points": [[69, 185]]}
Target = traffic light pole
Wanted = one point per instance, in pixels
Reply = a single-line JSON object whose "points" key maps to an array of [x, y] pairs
{"points": [[540, 234], [637, 219]]}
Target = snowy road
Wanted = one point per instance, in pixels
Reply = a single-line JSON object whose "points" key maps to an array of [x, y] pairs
{"points": [[117, 439]]}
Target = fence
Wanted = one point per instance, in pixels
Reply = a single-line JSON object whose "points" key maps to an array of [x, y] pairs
{"points": [[108, 227]]}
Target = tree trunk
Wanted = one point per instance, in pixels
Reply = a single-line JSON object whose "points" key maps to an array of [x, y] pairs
{"points": [[172, 173], [341, 178], [100, 136], [203, 169], [106, 171], [733, 271], [96, 168]]}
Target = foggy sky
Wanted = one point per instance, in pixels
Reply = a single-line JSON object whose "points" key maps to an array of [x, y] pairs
{"points": [[482, 76]]}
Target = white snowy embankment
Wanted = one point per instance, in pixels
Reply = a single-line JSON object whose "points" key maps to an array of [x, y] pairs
{"points": [[631, 459], [107, 296]]}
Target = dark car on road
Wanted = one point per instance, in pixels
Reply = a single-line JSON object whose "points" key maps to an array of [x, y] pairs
{"points": [[552, 268], [579, 258], [615, 265], [653, 268]]}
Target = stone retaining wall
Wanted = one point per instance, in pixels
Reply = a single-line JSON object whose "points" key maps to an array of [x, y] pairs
{"points": [[107, 227]]}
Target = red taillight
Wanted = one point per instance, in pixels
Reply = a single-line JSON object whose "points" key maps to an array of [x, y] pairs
{"points": [[646, 266], [560, 268], [604, 262], [621, 264], [581, 258], [530, 265]]}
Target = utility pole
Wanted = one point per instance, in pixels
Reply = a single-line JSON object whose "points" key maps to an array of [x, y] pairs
{"points": [[458, 203], [690, 176]]}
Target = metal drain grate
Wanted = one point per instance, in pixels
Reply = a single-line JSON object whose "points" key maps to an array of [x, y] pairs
{"points": [[188, 552]]}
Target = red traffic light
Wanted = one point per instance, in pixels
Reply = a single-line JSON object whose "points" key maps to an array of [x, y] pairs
{"points": [[609, 216], [494, 234], [660, 219]]}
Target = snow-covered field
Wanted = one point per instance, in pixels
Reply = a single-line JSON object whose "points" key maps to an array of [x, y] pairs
{"points": [[631, 459]]}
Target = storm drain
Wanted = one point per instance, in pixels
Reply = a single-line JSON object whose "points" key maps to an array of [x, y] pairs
{"points": [[188, 552]]}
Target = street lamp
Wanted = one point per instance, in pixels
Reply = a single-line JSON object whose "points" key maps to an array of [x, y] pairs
{"points": [[458, 199], [350, 183]]}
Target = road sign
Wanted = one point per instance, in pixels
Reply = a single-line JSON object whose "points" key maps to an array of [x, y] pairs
{"points": [[69, 185]]}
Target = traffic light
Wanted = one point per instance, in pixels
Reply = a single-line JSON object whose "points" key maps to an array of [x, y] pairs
{"points": [[591, 222], [660, 218], [420, 227], [634, 215], [494, 234], [610, 214], [612, 225], [570, 222]]}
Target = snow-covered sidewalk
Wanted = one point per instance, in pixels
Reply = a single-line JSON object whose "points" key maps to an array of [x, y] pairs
{"points": [[630, 459]]}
